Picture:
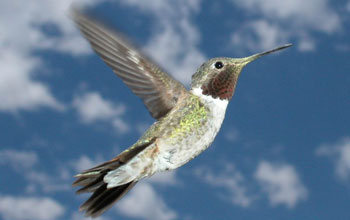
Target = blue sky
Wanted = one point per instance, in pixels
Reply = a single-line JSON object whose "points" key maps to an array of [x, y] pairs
{"points": [[283, 151]]}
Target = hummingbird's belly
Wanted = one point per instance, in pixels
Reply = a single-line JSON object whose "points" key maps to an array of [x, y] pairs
{"points": [[178, 149], [183, 150]]}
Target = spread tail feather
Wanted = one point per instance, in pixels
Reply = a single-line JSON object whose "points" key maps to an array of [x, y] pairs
{"points": [[93, 181], [102, 198]]}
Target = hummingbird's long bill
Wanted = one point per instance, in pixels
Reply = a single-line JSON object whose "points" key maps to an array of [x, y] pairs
{"points": [[249, 59]]}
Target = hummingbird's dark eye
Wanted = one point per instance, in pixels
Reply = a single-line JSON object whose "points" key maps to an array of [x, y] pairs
{"points": [[219, 65]]}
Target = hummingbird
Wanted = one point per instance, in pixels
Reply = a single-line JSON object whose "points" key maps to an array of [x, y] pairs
{"points": [[187, 121]]}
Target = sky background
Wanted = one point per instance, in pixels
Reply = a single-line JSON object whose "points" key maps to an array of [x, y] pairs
{"points": [[283, 151]]}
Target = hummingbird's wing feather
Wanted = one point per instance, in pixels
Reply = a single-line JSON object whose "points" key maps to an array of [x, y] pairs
{"points": [[158, 90]]}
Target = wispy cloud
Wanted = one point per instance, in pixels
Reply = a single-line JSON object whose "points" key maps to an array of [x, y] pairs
{"points": [[80, 216], [29, 33], [232, 134], [259, 35], [44, 182], [282, 21], [18, 159], [315, 14], [25, 164], [339, 153], [281, 183], [142, 127], [84, 162], [26, 208], [231, 180], [174, 41], [60, 179], [143, 202], [92, 107], [18, 89], [164, 178]]}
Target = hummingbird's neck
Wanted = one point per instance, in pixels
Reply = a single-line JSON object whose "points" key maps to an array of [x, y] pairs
{"points": [[215, 103]]}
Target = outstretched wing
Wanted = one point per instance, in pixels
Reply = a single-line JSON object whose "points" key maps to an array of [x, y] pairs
{"points": [[158, 90]]}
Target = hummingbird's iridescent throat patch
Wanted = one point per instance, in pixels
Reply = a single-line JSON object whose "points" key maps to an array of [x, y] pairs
{"points": [[222, 85]]}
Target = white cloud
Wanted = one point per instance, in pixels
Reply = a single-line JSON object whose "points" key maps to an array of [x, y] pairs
{"points": [[61, 179], [176, 52], [143, 202], [259, 35], [339, 152], [23, 163], [28, 208], [285, 20], [85, 162], [342, 47], [175, 39], [40, 181], [306, 43], [19, 90], [30, 21], [18, 159], [30, 29], [281, 183], [142, 127], [229, 179], [315, 14], [80, 216], [166, 178], [92, 107], [120, 125], [232, 134]]}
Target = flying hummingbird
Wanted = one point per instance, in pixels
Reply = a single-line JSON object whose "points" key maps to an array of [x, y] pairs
{"points": [[186, 121]]}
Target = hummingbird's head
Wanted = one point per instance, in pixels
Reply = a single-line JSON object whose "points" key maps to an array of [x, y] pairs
{"points": [[218, 76]]}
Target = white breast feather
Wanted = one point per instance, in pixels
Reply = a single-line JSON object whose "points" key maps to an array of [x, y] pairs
{"points": [[173, 158]]}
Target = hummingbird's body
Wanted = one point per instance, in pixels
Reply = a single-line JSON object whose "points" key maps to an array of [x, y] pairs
{"points": [[188, 129], [187, 121]]}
